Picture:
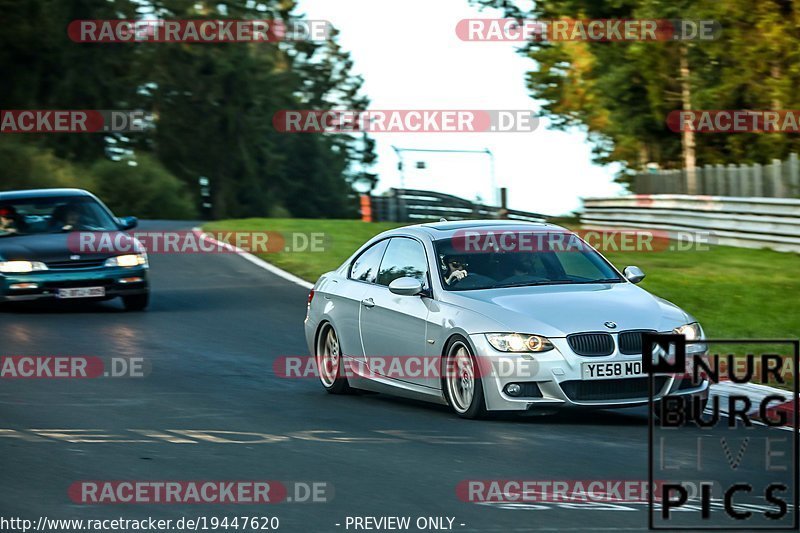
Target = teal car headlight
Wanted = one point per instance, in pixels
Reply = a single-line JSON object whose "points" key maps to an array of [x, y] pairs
{"points": [[516, 342], [21, 267], [127, 260]]}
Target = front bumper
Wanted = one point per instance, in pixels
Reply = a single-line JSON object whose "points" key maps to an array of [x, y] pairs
{"points": [[117, 281], [559, 383]]}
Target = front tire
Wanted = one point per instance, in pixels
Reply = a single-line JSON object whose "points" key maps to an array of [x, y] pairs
{"points": [[137, 302], [328, 357], [462, 385]]}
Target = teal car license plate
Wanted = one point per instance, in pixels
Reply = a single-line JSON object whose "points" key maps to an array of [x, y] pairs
{"points": [[81, 292]]}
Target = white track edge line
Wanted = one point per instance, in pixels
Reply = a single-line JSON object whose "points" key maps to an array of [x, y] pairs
{"points": [[288, 276]]}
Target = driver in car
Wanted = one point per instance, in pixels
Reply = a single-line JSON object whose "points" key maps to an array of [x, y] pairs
{"points": [[68, 217], [8, 224], [455, 270], [524, 266], [74, 217]]}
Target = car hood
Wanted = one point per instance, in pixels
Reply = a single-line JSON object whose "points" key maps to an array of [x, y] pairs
{"points": [[47, 247], [558, 310]]}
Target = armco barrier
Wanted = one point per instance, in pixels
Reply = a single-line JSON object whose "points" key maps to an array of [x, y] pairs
{"points": [[745, 222], [413, 205]]}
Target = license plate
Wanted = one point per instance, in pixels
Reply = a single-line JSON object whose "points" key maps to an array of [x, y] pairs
{"points": [[82, 292], [612, 370]]}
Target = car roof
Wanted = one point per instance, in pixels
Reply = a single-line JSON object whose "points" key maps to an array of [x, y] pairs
{"points": [[42, 193], [446, 229]]}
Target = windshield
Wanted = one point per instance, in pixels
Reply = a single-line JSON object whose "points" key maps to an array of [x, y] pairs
{"points": [[31, 216], [488, 261]]}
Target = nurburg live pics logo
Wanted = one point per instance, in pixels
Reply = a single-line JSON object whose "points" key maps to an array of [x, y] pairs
{"points": [[664, 354]]}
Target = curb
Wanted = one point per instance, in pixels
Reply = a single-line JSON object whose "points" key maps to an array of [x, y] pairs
{"points": [[756, 393]]}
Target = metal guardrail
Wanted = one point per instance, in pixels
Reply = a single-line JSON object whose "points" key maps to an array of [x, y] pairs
{"points": [[414, 205], [744, 222]]}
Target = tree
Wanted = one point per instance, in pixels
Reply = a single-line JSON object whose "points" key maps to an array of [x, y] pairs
{"points": [[622, 92], [212, 104]]}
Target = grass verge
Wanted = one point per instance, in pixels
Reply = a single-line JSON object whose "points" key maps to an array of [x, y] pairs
{"points": [[342, 238]]}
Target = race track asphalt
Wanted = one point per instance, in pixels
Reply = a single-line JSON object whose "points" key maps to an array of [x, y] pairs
{"points": [[216, 325]]}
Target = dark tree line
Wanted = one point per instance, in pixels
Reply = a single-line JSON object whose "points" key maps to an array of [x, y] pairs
{"points": [[212, 106]]}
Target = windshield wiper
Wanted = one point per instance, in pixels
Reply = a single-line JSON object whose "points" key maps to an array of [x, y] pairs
{"points": [[535, 283], [556, 282]]}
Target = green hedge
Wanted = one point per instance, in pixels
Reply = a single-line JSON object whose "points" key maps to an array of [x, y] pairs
{"points": [[140, 187]]}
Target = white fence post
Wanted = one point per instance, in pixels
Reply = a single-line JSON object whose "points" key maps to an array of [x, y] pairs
{"points": [[758, 181], [794, 176]]}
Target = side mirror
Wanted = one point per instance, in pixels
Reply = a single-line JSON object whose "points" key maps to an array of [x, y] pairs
{"points": [[126, 223], [406, 286], [634, 274]]}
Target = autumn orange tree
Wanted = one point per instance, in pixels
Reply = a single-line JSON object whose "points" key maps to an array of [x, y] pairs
{"points": [[620, 92]]}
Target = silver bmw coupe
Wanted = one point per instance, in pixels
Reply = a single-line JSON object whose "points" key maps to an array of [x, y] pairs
{"points": [[491, 316]]}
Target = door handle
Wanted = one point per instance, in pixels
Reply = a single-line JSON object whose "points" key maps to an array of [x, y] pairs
{"points": [[368, 302]]}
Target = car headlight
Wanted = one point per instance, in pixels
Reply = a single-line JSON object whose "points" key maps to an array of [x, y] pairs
{"points": [[692, 331], [128, 260], [515, 342], [21, 267]]}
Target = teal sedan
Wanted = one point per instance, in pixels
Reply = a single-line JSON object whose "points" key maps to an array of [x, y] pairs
{"points": [[40, 258]]}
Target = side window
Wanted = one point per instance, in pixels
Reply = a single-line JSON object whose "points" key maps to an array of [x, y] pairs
{"points": [[403, 257], [365, 267]]}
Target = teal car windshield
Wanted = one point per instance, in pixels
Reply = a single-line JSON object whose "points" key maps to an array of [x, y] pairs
{"points": [[31, 216]]}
